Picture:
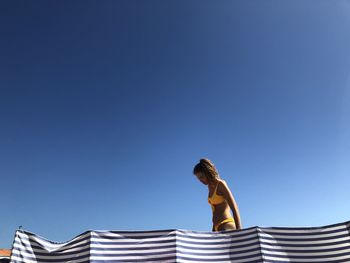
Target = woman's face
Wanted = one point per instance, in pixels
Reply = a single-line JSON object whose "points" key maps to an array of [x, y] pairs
{"points": [[201, 177]]}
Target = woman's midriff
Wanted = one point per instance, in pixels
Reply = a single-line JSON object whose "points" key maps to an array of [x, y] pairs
{"points": [[221, 212]]}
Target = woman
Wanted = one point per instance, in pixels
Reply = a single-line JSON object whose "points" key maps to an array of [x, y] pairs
{"points": [[220, 197]]}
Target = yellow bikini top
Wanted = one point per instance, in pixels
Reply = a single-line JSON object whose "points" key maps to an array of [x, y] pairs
{"points": [[215, 199]]}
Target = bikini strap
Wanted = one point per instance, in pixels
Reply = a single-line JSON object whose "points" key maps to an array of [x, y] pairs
{"points": [[216, 187]]}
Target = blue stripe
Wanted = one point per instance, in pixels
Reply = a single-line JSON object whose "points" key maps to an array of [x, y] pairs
{"points": [[137, 260], [224, 247], [50, 260], [307, 245], [304, 239], [309, 257], [305, 250], [290, 233]]}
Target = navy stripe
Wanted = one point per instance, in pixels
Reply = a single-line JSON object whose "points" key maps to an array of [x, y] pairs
{"points": [[104, 243], [305, 250], [160, 259], [328, 261], [219, 259], [134, 254], [290, 233], [309, 256], [311, 228], [306, 245], [50, 260], [223, 247], [304, 239], [131, 237], [134, 248]]}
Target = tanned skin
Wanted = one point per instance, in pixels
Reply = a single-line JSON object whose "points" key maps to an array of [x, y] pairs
{"points": [[223, 210]]}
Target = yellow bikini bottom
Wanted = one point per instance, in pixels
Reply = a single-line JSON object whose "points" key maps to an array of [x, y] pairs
{"points": [[230, 219]]}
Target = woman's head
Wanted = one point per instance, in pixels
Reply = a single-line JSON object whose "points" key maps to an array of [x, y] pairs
{"points": [[205, 171]]}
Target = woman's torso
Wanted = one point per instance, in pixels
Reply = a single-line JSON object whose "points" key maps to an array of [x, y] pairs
{"points": [[221, 210]]}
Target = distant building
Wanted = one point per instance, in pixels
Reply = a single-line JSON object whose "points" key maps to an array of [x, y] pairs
{"points": [[5, 255]]}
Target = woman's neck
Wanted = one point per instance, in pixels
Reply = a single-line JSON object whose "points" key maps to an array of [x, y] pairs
{"points": [[213, 183]]}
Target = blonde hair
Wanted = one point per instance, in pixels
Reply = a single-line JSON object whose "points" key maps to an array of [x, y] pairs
{"points": [[206, 167]]}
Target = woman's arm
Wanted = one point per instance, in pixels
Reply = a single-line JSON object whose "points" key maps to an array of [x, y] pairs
{"points": [[232, 203]]}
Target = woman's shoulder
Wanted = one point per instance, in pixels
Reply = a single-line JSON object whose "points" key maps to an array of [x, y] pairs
{"points": [[221, 182], [221, 185]]}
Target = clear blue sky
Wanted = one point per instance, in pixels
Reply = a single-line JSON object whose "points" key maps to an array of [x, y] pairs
{"points": [[106, 106]]}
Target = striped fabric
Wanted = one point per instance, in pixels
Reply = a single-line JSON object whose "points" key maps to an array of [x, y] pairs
{"points": [[257, 244]]}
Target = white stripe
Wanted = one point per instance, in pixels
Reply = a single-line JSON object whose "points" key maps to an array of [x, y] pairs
{"points": [[156, 245], [219, 240], [315, 254], [206, 257], [305, 248], [345, 232], [218, 245], [183, 250], [307, 259], [24, 253], [190, 233], [149, 257], [126, 240], [121, 252], [130, 234], [271, 241], [222, 260], [13, 257], [227, 250], [301, 231]]}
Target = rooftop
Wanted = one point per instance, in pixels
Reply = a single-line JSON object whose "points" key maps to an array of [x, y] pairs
{"points": [[5, 252]]}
